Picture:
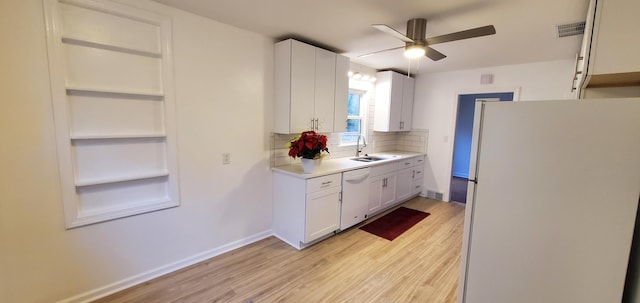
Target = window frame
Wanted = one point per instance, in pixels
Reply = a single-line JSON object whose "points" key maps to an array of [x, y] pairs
{"points": [[362, 117]]}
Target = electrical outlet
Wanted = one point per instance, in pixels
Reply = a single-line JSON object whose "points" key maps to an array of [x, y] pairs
{"points": [[226, 158]]}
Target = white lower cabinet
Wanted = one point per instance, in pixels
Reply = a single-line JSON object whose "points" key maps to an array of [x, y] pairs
{"points": [[405, 184], [382, 192], [305, 210], [418, 179], [394, 183], [410, 178], [322, 213], [382, 187]]}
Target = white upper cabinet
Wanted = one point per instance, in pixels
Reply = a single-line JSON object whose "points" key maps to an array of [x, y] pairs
{"points": [[394, 102], [610, 50], [311, 88], [341, 94], [297, 88], [406, 113], [324, 92]]}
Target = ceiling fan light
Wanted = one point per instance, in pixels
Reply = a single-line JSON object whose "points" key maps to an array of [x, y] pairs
{"points": [[414, 51]]}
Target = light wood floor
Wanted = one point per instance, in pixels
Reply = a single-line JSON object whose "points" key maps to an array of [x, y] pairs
{"points": [[422, 265]]}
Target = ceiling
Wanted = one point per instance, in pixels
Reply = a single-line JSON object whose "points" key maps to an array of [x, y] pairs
{"points": [[526, 29]]}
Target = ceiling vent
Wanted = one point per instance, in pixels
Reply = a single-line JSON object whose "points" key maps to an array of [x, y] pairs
{"points": [[571, 29]]}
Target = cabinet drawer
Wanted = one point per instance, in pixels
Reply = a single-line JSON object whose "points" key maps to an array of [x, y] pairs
{"points": [[416, 186], [384, 168], [404, 163], [418, 172], [319, 183]]}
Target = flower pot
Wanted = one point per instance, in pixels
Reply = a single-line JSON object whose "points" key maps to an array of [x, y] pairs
{"points": [[309, 165]]}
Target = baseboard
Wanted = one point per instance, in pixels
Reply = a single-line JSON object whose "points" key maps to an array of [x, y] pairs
{"points": [[294, 245], [163, 270]]}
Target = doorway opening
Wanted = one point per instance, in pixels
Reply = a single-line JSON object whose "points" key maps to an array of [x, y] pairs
{"points": [[463, 138]]}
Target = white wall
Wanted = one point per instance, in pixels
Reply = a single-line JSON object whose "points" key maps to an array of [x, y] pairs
{"points": [[224, 98], [436, 102]]}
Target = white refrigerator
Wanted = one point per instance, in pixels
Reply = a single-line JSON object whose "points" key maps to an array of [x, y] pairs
{"points": [[551, 207]]}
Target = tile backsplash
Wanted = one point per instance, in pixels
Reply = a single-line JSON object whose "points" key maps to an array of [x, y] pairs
{"points": [[412, 141]]}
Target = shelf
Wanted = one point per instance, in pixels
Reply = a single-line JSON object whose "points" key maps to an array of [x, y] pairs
{"points": [[614, 80], [80, 183], [128, 207], [128, 136], [156, 95], [93, 216], [128, 50]]}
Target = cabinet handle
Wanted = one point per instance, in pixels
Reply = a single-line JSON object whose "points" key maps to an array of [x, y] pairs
{"points": [[326, 183], [413, 176], [575, 72], [401, 124]]}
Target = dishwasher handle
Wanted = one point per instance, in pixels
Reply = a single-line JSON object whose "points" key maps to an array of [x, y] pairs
{"points": [[357, 178]]}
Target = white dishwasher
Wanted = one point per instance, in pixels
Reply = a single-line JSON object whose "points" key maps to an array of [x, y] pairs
{"points": [[355, 197]]}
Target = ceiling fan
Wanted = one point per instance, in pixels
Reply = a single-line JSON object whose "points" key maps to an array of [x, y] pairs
{"points": [[417, 45]]}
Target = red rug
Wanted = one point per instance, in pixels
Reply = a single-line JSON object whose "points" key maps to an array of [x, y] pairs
{"points": [[393, 224]]}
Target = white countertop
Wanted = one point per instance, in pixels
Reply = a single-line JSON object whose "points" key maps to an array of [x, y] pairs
{"points": [[332, 166]]}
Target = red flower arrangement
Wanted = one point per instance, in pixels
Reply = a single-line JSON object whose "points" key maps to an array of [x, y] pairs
{"points": [[309, 145]]}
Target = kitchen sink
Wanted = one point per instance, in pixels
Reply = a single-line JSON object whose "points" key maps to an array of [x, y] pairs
{"points": [[368, 159]]}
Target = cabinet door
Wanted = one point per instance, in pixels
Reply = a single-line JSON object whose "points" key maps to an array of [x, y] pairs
{"points": [[583, 58], [406, 116], [302, 86], [389, 98], [389, 190], [376, 187], [341, 95], [404, 184], [395, 104], [325, 83], [418, 176], [613, 50], [416, 188], [322, 213]]}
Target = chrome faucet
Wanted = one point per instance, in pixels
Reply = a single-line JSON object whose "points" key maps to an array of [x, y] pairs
{"points": [[358, 147]]}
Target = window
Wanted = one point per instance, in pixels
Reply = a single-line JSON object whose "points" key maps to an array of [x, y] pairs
{"points": [[355, 118]]}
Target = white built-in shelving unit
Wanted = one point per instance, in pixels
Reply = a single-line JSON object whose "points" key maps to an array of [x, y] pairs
{"points": [[112, 88]]}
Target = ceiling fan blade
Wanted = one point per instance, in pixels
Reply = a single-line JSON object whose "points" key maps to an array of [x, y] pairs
{"points": [[380, 51], [392, 32], [433, 54], [470, 33]]}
